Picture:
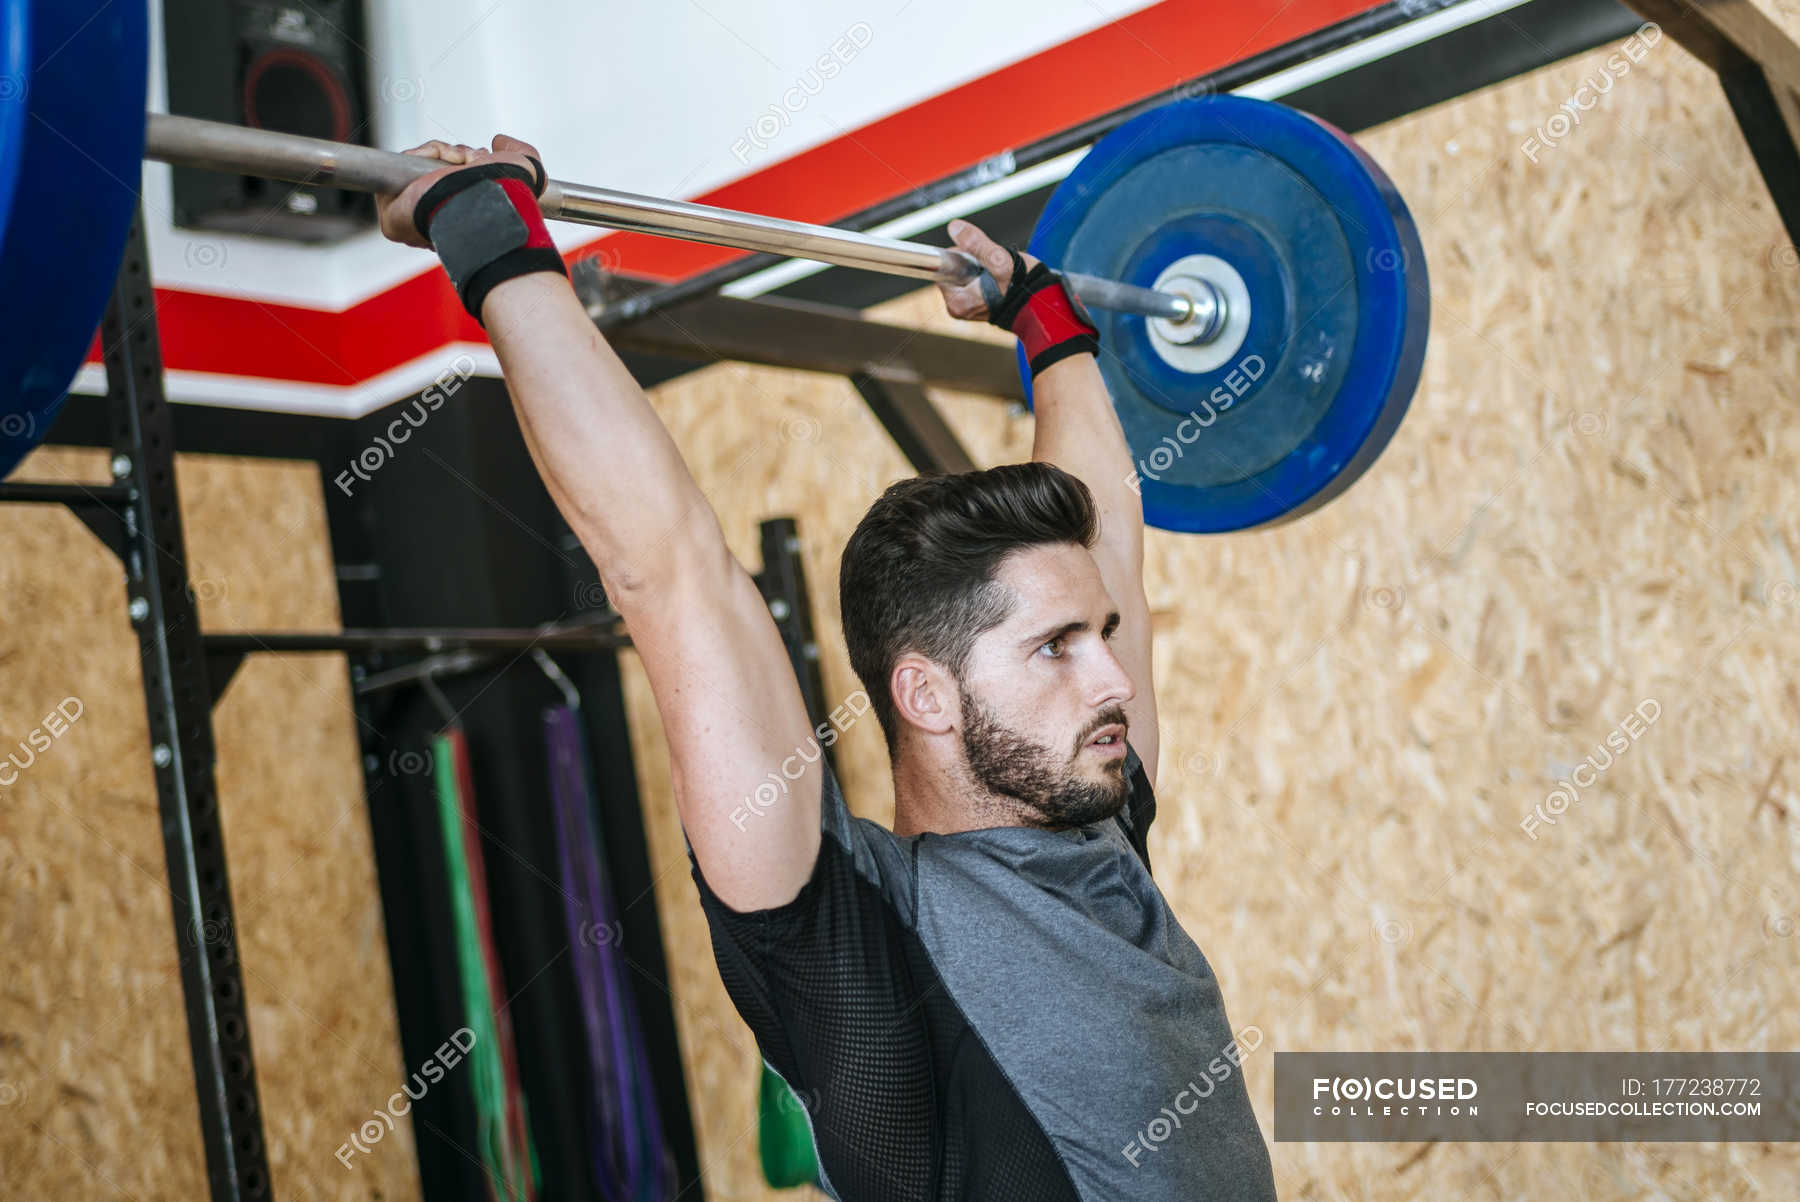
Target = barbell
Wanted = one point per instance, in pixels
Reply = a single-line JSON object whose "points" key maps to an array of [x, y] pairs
{"points": [[218, 146], [1259, 284]]}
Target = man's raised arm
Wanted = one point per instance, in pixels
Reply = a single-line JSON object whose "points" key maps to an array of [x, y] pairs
{"points": [[1078, 430], [723, 683]]}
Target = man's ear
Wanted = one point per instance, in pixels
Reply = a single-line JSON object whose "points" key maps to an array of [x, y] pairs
{"points": [[924, 695]]}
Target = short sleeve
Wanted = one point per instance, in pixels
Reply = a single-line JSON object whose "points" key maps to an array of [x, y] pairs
{"points": [[830, 986], [1140, 806], [854, 854]]}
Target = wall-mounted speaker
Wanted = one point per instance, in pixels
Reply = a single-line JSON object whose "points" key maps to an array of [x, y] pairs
{"points": [[296, 68]]}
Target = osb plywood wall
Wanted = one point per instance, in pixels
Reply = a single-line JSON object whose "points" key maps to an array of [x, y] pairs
{"points": [[1594, 504], [96, 1081]]}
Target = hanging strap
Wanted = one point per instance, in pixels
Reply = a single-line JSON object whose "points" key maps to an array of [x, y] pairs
{"points": [[520, 1160], [657, 1176], [632, 1162], [487, 1082], [502, 1155]]}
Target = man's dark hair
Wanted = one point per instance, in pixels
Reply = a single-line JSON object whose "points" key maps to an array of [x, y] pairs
{"points": [[918, 573]]}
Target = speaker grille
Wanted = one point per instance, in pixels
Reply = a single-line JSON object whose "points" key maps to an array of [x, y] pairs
{"points": [[294, 92]]}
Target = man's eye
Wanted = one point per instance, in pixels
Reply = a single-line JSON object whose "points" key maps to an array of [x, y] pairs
{"points": [[1057, 645]]}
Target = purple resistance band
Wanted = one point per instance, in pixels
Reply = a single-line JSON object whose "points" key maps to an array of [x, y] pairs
{"points": [[631, 1163]]}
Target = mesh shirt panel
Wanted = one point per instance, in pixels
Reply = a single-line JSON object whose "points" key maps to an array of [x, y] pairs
{"points": [[906, 1102]]}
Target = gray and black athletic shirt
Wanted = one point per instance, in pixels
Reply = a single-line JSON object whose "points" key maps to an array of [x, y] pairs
{"points": [[1009, 1013]]}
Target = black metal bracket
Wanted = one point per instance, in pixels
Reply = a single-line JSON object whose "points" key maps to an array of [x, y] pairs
{"points": [[450, 650], [782, 582], [1758, 67], [1769, 117], [101, 507], [889, 365], [913, 422], [447, 649], [803, 335], [221, 670]]}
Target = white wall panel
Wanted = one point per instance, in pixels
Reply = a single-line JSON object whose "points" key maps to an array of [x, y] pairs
{"points": [[663, 98]]}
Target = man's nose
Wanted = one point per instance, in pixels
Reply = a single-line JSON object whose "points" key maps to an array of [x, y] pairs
{"points": [[1114, 684]]}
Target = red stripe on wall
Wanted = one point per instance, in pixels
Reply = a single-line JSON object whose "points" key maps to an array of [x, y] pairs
{"points": [[1105, 69], [1102, 70], [236, 336]]}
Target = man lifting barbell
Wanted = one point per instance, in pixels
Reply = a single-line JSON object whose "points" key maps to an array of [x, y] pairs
{"points": [[993, 999]]}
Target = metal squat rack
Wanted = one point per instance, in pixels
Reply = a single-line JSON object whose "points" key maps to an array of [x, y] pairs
{"points": [[185, 671]]}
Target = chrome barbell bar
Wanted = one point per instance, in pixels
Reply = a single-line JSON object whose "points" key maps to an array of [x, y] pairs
{"points": [[240, 150]]}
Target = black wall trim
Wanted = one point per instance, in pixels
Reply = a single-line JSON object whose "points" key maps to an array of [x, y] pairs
{"points": [[1471, 58]]}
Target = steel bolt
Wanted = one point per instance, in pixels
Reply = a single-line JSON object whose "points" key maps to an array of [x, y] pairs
{"points": [[161, 756]]}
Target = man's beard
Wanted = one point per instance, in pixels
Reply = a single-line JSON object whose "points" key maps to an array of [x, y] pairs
{"points": [[1006, 763]]}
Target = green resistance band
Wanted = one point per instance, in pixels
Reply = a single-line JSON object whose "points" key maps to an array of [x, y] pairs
{"points": [[784, 1136], [484, 1055]]}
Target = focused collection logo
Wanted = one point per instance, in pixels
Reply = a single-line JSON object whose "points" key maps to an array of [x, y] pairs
{"points": [[1354, 1096]]}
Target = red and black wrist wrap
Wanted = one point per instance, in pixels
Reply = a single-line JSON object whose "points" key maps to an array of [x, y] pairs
{"points": [[485, 225], [1051, 322]]}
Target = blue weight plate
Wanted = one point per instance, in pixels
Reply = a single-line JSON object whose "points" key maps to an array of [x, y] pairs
{"points": [[72, 78], [1340, 305]]}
